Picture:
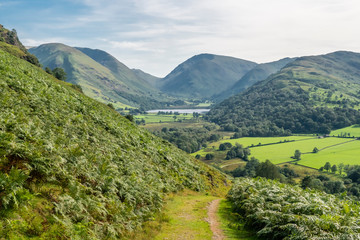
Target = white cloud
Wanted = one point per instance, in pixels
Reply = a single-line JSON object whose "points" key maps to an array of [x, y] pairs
{"points": [[157, 35]]}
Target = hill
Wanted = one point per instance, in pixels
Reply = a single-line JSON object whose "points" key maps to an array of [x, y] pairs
{"points": [[152, 80], [73, 168], [310, 95], [205, 75], [100, 75], [10, 43], [258, 73]]}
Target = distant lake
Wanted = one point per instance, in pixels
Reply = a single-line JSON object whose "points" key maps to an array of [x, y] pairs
{"points": [[201, 111]]}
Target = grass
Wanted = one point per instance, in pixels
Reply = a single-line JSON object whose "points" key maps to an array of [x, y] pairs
{"points": [[98, 174], [155, 118], [346, 153], [281, 153], [332, 149], [354, 131], [186, 213], [232, 228]]}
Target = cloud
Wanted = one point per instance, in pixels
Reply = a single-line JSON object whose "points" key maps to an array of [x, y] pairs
{"points": [[160, 34]]}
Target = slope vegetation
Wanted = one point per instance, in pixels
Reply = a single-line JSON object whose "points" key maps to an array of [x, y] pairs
{"points": [[311, 94], [10, 42], [152, 80], [205, 75], [282, 211], [101, 76], [72, 168]]}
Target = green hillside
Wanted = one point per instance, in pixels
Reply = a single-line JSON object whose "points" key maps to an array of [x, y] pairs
{"points": [[152, 80], [9, 42], [310, 95], [120, 71], [205, 75], [73, 168], [100, 75], [258, 73]]}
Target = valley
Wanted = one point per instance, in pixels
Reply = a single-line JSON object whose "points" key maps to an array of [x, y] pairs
{"points": [[110, 152]]}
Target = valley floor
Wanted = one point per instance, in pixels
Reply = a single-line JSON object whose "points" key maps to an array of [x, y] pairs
{"points": [[198, 216]]}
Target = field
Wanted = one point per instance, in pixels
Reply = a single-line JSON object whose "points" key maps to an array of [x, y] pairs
{"points": [[348, 153], [155, 118], [353, 130], [331, 149]]}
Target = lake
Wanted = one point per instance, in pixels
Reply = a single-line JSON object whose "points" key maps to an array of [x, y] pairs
{"points": [[201, 111]]}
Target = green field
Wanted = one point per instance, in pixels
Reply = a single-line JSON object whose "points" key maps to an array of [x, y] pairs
{"points": [[348, 153], [354, 131], [280, 153], [332, 149], [155, 118]]}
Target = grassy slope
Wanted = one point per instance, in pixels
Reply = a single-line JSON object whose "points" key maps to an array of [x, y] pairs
{"points": [[354, 131], [121, 72], [70, 167], [152, 80], [96, 80], [205, 75], [258, 73], [100, 75], [346, 152]]}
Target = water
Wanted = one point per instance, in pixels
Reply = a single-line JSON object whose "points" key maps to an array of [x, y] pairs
{"points": [[201, 111]]}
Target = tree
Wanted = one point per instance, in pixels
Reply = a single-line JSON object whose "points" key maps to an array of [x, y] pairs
{"points": [[297, 155], [209, 156], [198, 156], [222, 147], [48, 70], [130, 117], [59, 73], [327, 166], [334, 168], [110, 105], [268, 170], [341, 167], [315, 150]]}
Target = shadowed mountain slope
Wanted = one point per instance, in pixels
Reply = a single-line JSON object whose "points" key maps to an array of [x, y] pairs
{"points": [[258, 73], [205, 75], [310, 95]]}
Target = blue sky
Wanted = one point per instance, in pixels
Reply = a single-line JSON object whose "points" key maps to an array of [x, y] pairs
{"points": [[157, 35]]}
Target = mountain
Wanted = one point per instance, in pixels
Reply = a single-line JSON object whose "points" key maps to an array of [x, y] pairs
{"points": [[100, 75], [258, 73], [120, 71], [72, 167], [152, 80], [309, 95], [205, 75]]}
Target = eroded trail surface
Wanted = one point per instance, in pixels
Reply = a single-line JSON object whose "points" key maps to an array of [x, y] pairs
{"points": [[214, 221]]}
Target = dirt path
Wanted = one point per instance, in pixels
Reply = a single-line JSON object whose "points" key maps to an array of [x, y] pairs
{"points": [[213, 220]]}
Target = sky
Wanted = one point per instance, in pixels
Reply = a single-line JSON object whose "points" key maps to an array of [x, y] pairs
{"points": [[157, 35]]}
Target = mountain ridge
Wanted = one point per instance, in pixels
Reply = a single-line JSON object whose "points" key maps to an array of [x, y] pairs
{"points": [[204, 75], [258, 73], [312, 94], [118, 85]]}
